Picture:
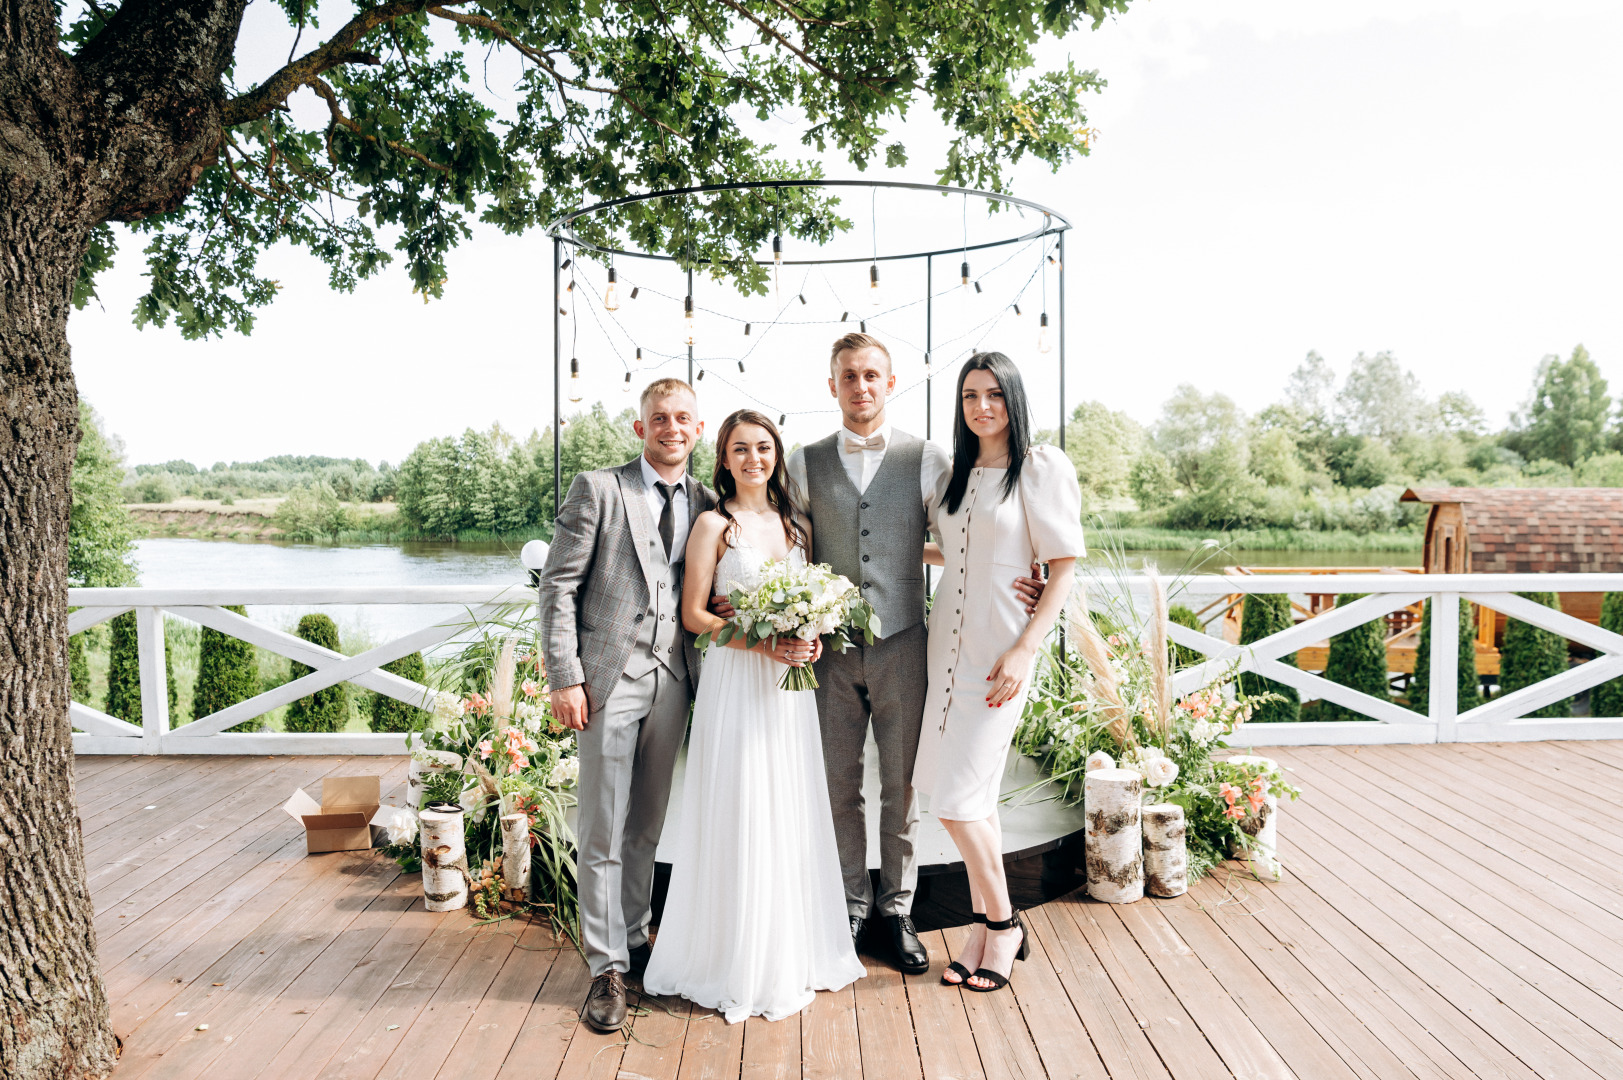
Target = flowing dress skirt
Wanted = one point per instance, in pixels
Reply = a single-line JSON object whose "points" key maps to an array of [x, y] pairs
{"points": [[755, 921]]}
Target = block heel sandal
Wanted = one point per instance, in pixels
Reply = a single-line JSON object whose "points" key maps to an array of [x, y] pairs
{"points": [[960, 970], [1000, 981]]}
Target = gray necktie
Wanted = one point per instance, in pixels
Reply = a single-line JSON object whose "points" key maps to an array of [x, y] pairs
{"points": [[667, 516]]}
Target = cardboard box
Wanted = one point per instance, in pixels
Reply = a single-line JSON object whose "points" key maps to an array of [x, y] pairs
{"points": [[341, 821]]}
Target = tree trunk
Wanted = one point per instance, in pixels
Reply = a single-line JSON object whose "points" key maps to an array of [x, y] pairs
{"points": [[1114, 845], [445, 861], [516, 856], [1166, 852]]}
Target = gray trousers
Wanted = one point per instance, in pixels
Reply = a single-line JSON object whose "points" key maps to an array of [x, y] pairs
{"points": [[627, 754], [884, 683]]}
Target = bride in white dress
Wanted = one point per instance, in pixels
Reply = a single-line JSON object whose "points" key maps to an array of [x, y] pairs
{"points": [[755, 921]]}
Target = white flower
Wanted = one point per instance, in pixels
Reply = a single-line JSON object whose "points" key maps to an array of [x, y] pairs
{"points": [[1160, 771], [807, 632], [401, 826], [447, 707], [1204, 731], [1148, 754], [1099, 760], [565, 773]]}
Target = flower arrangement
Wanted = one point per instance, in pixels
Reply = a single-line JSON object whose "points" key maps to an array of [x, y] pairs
{"points": [[1102, 698], [805, 601], [493, 720]]}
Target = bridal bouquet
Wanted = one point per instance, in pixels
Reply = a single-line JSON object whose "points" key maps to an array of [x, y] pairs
{"points": [[804, 601]]}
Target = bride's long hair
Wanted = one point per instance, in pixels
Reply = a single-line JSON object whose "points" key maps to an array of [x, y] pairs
{"points": [[777, 485]]}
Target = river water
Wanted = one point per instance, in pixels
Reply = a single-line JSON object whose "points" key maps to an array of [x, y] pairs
{"points": [[172, 563]]}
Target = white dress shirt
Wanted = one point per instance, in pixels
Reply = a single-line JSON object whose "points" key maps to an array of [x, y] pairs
{"points": [[679, 508], [862, 465]]}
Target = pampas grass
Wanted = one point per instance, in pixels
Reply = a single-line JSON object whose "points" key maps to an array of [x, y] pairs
{"points": [[1160, 664], [1091, 645]]}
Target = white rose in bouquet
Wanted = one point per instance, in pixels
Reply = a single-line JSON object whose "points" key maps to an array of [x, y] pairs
{"points": [[401, 826], [1160, 771], [805, 601]]}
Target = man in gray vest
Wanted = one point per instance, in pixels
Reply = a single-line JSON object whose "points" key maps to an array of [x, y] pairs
{"points": [[869, 490], [621, 674]]}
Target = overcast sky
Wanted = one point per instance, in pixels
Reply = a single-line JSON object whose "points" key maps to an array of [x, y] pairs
{"points": [[1437, 178]]}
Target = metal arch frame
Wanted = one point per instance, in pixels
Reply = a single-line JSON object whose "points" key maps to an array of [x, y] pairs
{"points": [[562, 232]]}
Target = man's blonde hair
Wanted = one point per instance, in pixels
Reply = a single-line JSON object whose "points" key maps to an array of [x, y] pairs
{"points": [[855, 341], [662, 388]]}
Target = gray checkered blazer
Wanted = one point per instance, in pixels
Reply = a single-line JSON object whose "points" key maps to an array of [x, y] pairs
{"points": [[594, 586]]}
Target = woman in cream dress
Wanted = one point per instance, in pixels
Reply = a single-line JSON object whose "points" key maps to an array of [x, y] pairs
{"points": [[1006, 505]]}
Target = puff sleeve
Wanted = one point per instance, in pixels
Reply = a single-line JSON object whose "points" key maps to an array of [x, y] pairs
{"points": [[1053, 504]]}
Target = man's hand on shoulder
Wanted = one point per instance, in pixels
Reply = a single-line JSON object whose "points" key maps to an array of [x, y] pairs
{"points": [[569, 706], [1030, 589]]}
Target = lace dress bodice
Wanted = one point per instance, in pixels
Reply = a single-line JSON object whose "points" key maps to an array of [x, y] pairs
{"points": [[740, 565]]}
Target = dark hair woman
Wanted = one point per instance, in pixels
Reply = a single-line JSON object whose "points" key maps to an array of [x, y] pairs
{"points": [[777, 483], [1008, 504]]}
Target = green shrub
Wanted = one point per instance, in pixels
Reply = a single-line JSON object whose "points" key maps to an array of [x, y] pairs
{"points": [[1531, 655], [1607, 698], [227, 672], [78, 668], [1357, 660], [391, 715], [1469, 689], [325, 710], [124, 670], [1263, 614], [1183, 615]]}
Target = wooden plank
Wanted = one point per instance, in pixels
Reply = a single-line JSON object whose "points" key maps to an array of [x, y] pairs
{"points": [[771, 1049], [425, 1044], [1596, 810], [592, 1055], [1178, 1041], [940, 1023], [828, 1037], [189, 785], [489, 1034], [884, 1025], [1001, 1037], [330, 1022], [550, 1025], [1057, 1031], [1370, 1053], [713, 1048], [654, 1050], [250, 975], [129, 770], [1123, 1048], [1236, 1039]]}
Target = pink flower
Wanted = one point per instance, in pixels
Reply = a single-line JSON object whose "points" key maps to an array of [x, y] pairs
{"points": [[1234, 812], [484, 749], [1229, 793], [530, 688]]}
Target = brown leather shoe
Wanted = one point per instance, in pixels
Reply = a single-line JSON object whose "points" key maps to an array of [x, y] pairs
{"points": [[606, 1003]]}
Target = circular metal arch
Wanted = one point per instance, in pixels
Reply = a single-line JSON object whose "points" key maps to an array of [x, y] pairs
{"points": [[1053, 221]]}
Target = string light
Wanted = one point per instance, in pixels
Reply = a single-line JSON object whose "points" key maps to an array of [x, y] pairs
{"points": [[687, 321], [635, 289], [1043, 345], [863, 326], [567, 263], [639, 356], [625, 388], [746, 329], [802, 298], [574, 380], [1016, 309], [783, 418], [963, 276], [977, 288], [777, 250], [873, 284], [701, 376], [741, 367], [844, 315], [611, 295]]}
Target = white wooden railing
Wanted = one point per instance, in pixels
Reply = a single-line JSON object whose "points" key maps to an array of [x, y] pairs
{"points": [[1499, 719]]}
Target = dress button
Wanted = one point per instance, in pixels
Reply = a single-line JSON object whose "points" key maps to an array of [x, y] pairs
{"points": [[955, 631], [867, 585], [864, 532]]}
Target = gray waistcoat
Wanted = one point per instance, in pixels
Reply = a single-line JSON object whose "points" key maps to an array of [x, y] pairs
{"points": [[875, 538], [659, 635]]}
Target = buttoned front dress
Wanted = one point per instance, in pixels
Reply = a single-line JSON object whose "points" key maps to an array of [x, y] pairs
{"points": [[977, 617]]}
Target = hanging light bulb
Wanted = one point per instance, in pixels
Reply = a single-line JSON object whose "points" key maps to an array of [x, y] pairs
{"points": [[741, 367], [783, 418], [963, 275], [746, 329], [863, 326], [777, 250], [873, 284], [1017, 309], [844, 315], [1057, 264], [1043, 344], [625, 387], [567, 263], [687, 321], [977, 288], [701, 376], [611, 295], [802, 298], [639, 356], [574, 379], [635, 289]]}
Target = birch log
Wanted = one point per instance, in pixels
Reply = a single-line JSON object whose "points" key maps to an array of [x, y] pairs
{"points": [[445, 861], [1114, 847], [1166, 855], [1262, 826], [516, 855], [417, 770]]}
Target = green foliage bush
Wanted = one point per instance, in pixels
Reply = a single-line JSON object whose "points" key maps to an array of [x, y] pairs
{"points": [[1261, 615], [391, 715], [1607, 698], [227, 672], [325, 710], [1183, 615], [101, 533], [1357, 660], [124, 670], [1530, 655], [312, 513], [1469, 689], [78, 668]]}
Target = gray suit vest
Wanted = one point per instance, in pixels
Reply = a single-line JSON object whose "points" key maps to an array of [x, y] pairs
{"points": [[659, 634], [875, 538]]}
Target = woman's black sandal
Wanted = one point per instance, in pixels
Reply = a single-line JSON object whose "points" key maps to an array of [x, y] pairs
{"points": [[1000, 981], [962, 972]]}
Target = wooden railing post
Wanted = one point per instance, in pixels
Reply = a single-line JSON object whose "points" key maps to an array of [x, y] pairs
{"points": [[1445, 663], [154, 678]]}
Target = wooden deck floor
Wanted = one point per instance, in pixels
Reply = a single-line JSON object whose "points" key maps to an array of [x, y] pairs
{"points": [[1428, 927]]}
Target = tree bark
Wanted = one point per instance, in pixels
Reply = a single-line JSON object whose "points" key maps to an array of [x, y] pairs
{"points": [[1166, 850], [119, 131], [445, 861], [1114, 842], [516, 855]]}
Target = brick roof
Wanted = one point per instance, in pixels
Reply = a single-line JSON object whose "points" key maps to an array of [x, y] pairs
{"points": [[1537, 530]]}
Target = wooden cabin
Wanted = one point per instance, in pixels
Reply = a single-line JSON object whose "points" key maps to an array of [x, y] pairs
{"points": [[1524, 531]]}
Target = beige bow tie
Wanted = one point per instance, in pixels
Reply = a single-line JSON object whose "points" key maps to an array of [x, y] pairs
{"points": [[857, 443]]}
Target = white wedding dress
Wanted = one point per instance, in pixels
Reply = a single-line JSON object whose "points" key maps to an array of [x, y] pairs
{"points": [[755, 920]]}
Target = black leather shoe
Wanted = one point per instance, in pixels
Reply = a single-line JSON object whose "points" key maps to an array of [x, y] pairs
{"points": [[911, 955], [606, 1003], [858, 923], [639, 958]]}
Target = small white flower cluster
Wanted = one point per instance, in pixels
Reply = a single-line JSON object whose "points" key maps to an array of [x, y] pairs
{"points": [[530, 717], [564, 773], [1151, 763], [447, 707], [807, 601]]}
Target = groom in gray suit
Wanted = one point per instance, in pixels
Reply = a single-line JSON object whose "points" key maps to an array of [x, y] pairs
{"points": [[622, 674]]}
